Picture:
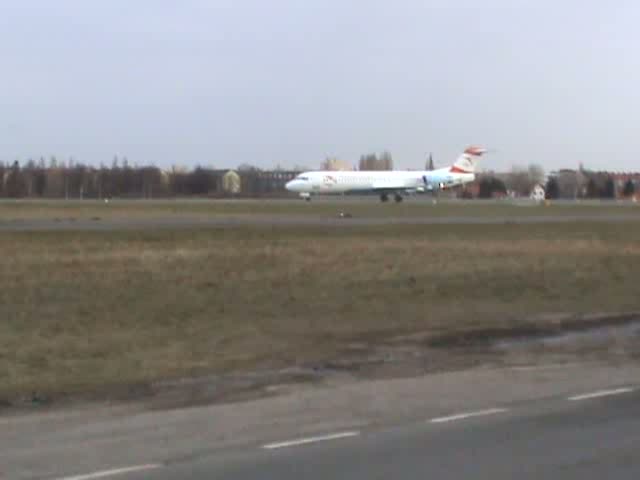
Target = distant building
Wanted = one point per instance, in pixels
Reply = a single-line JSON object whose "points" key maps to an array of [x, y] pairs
{"points": [[231, 182], [469, 190], [537, 193]]}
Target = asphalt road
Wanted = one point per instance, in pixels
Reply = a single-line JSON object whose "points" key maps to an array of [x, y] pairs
{"points": [[522, 425], [593, 438]]}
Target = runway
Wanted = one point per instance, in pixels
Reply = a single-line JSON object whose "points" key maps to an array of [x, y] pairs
{"points": [[557, 421], [186, 222], [593, 437]]}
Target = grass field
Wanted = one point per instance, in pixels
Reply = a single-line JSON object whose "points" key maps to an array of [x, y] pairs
{"points": [[362, 207], [81, 310]]}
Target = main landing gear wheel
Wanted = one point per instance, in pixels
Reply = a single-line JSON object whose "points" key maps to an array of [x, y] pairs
{"points": [[397, 198], [384, 197]]}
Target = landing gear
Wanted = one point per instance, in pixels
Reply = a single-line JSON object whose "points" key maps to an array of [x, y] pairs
{"points": [[384, 197]]}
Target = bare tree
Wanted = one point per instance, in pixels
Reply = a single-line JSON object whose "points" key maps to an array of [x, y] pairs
{"points": [[568, 184], [368, 162], [429, 166], [518, 181], [246, 167], [536, 174], [335, 164], [552, 189], [372, 162], [386, 161]]}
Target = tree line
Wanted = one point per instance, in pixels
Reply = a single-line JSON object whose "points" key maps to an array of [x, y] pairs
{"points": [[55, 179], [519, 181], [70, 179], [372, 161], [587, 185], [564, 184]]}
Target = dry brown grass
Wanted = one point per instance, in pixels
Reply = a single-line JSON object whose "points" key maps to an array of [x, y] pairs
{"points": [[82, 310]]}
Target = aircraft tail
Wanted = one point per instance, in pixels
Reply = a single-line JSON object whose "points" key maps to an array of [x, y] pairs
{"points": [[467, 162]]}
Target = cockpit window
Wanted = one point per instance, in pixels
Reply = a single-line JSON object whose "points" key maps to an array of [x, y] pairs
{"points": [[301, 177]]}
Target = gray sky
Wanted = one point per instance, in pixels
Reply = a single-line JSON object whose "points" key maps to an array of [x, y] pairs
{"points": [[292, 81]]}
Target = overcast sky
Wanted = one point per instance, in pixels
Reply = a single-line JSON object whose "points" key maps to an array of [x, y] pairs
{"points": [[291, 81]]}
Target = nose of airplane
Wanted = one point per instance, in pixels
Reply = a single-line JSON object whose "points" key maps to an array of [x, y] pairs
{"points": [[292, 185]]}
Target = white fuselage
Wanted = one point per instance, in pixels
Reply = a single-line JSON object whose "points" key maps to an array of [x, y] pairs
{"points": [[323, 182]]}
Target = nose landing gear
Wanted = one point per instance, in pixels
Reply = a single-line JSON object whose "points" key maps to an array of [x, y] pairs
{"points": [[384, 197]]}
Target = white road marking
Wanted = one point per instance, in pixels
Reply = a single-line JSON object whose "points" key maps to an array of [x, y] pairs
{"points": [[550, 366], [112, 473], [304, 441], [601, 393], [462, 416]]}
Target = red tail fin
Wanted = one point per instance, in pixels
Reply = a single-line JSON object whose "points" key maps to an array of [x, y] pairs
{"points": [[466, 163]]}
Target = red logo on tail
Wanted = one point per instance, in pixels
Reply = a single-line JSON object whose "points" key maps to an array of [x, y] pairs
{"points": [[475, 151]]}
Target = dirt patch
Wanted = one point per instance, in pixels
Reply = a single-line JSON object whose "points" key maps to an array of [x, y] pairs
{"points": [[406, 357], [546, 326]]}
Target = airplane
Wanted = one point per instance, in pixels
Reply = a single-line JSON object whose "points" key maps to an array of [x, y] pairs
{"points": [[387, 183]]}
